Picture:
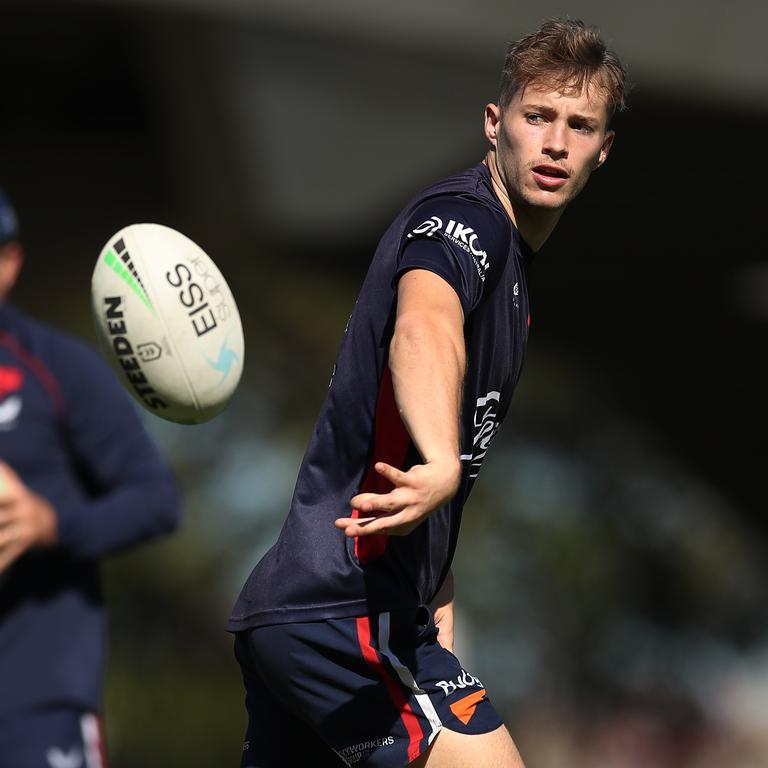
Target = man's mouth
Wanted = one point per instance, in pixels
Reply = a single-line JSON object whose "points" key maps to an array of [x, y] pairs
{"points": [[554, 171], [550, 176]]}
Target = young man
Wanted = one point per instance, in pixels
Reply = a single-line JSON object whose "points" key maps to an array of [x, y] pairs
{"points": [[79, 479], [344, 629]]}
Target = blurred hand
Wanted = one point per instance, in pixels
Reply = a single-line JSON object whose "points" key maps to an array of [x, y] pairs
{"points": [[417, 493], [26, 519]]}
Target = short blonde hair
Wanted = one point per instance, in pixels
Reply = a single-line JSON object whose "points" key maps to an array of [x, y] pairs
{"points": [[568, 56]]}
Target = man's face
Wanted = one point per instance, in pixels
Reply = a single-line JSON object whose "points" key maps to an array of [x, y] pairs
{"points": [[547, 144]]}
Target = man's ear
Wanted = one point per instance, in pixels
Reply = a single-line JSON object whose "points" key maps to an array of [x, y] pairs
{"points": [[492, 123], [605, 148], [11, 260]]}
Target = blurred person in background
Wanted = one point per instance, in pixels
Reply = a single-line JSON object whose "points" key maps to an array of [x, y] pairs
{"points": [[345, 632], [79, 480]]}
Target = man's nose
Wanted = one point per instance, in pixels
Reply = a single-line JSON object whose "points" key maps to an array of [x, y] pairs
{"points": [[555, 142]]}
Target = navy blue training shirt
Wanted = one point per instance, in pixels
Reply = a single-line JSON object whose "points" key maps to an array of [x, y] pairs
{"points": [[73, 436], [457, 229]]}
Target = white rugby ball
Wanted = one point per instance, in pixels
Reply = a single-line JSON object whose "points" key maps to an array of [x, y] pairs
{"points": [[167, 323]]}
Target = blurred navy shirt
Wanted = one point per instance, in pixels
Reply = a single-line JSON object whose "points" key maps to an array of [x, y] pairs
{"points": [[72, 435]]}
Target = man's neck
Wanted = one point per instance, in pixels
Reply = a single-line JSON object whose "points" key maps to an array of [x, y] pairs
{"points": [[535, 225]]}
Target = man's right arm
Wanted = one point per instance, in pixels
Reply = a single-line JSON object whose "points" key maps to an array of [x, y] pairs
{"points": [[427, 360]]}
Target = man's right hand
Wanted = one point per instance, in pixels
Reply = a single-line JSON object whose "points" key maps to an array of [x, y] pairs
{"points": [[416, 495]]}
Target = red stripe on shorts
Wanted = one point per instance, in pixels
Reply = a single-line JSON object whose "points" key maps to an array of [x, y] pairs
{"points": [[410, 721]]}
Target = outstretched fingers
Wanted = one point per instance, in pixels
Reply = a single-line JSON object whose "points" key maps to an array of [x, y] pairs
{"points": [[395, 513], [376, 512], [395, 476], [398, 524]]}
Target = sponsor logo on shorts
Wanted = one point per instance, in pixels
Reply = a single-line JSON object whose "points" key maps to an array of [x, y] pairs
{"points": [[464, 680], [464, 709], [460, 234], [356, 752]]}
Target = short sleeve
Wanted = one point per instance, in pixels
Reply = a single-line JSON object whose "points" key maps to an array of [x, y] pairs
{"points": [[456, 239]]}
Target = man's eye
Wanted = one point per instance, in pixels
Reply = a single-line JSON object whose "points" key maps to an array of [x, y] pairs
{"points": [[534, 118], [583, 128]]}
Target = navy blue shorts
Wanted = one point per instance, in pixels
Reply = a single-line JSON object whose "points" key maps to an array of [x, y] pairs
{"points": [[371, 691], [52, 738]]}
